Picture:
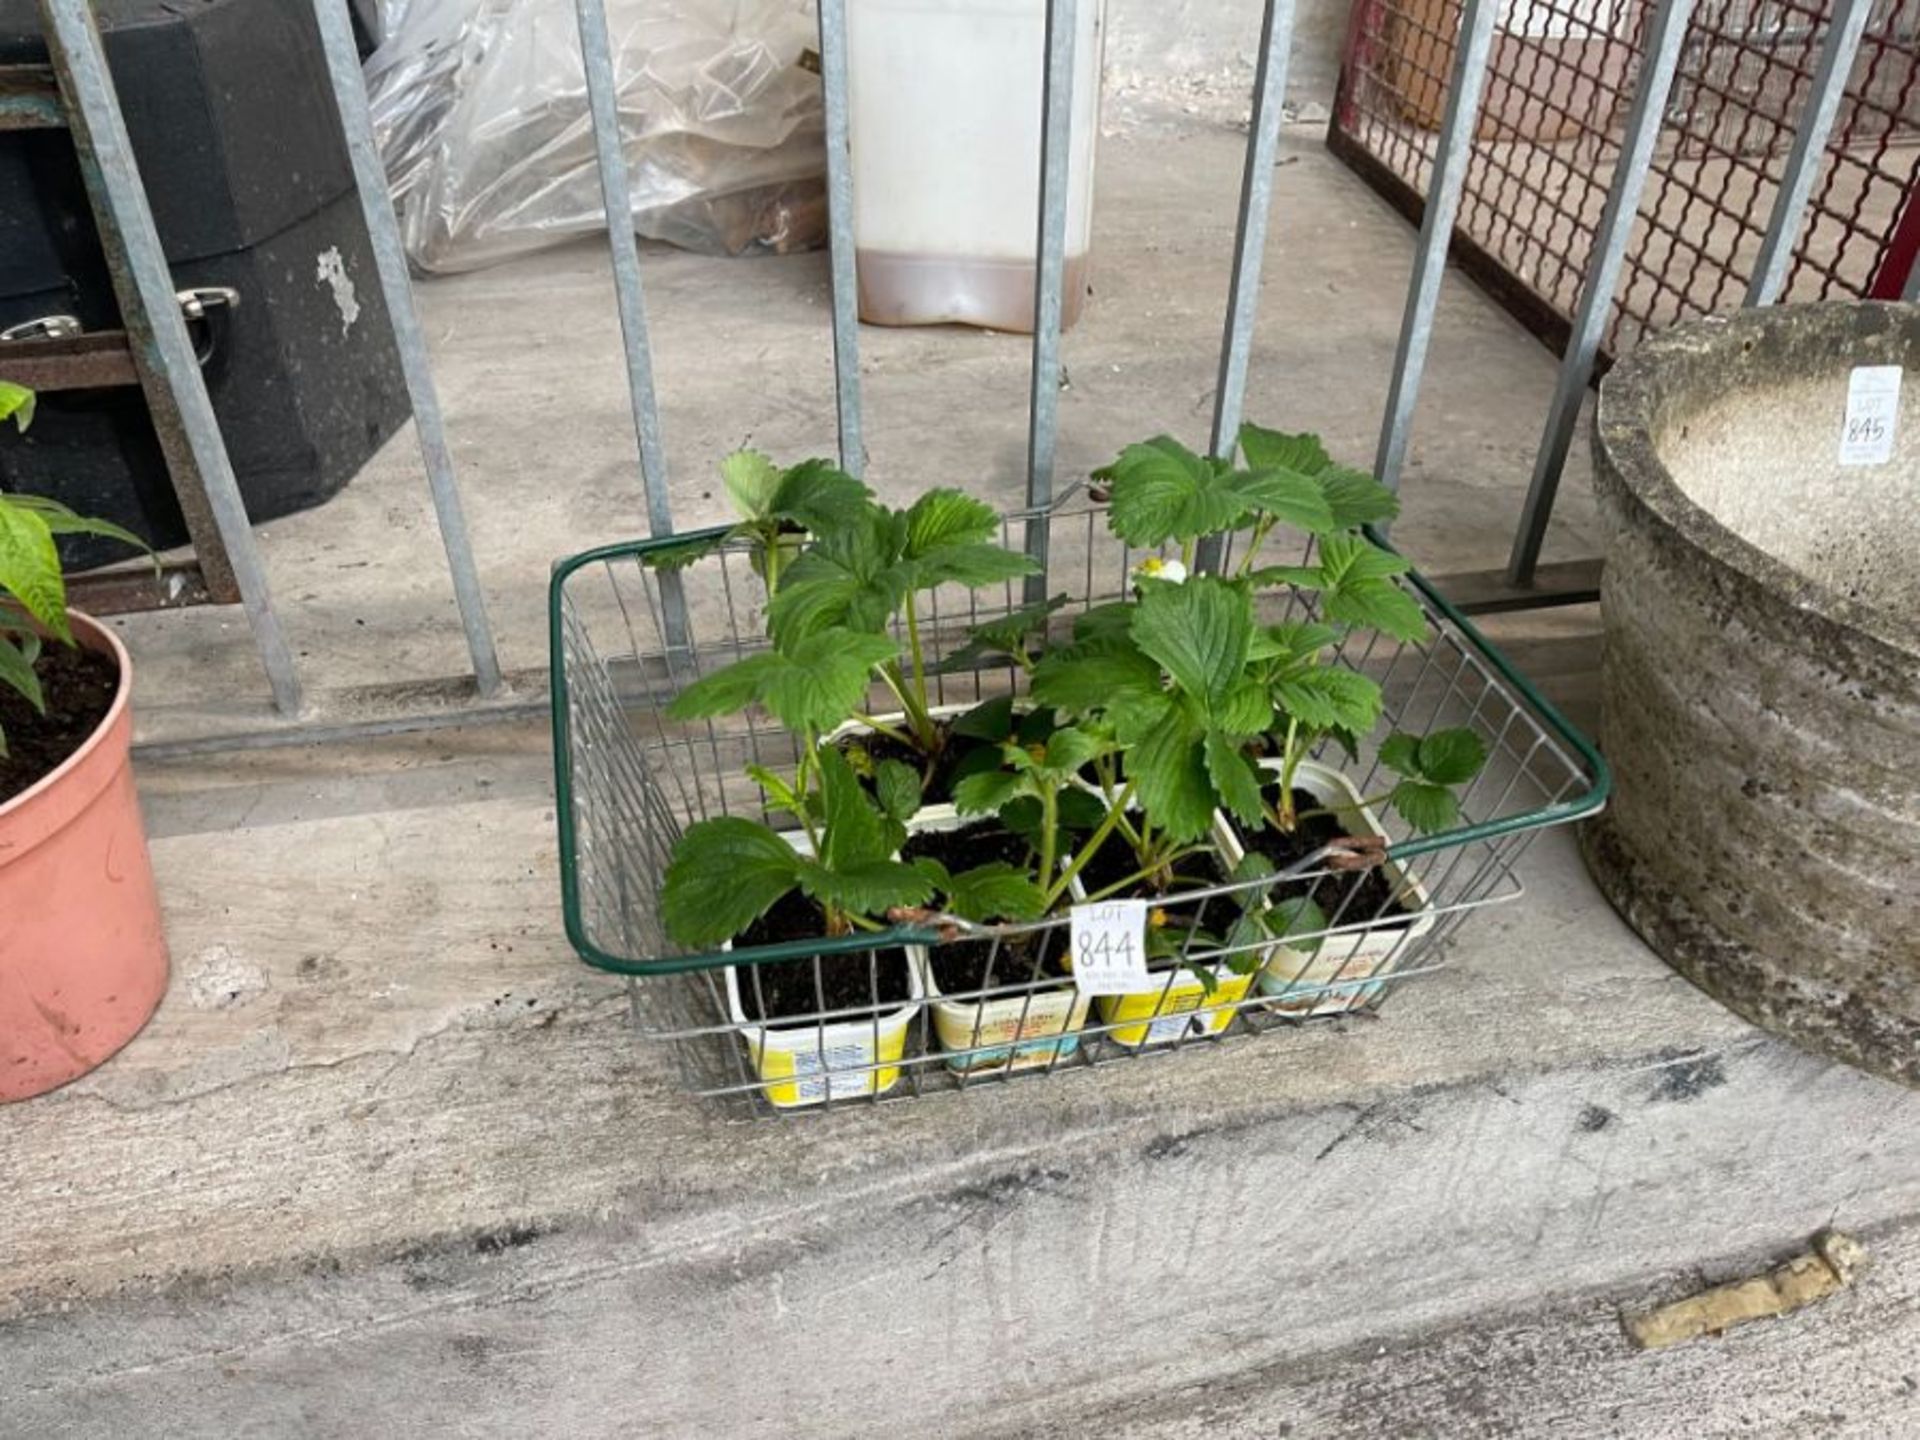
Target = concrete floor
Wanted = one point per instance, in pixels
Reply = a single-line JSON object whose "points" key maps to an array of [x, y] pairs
{"points": [[530, 373], [389, 1160]]}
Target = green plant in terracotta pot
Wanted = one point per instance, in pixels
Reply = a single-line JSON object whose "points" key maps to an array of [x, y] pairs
{"points": [[84, 962]]}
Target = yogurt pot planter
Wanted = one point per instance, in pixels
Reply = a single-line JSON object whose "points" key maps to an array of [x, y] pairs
{"points": [[83, 960], [1179, 1006], [811, 1062], [1343, 972], [808, 1061], [1037, 1025]]}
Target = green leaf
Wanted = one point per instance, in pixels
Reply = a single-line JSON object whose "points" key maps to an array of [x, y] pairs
{"points": [[1199, 632], [1235, 779], [1358, 588], [820, 497], [814, 684], [777, 788], [896, 785], [1452, 757], [1111, 621], [867, 887], [974, 566], [825, 678], [1175, 789], [681, 554], [1356, 498], [16, 670], [1330, 697], [947, 517], [1290, 497], [985, 793], [1162, 491], [989, 720], [1070, 748], [1293, 638], [1426, 807], [1377, 605], [849, 577], [1400, 753], [1306, 577], [1295, 916], [751, 479], [854, 830], [30, 566], [1344, 558], [16, 401], [1276, 450], [1245, 711], [725, 873], [62, 521], [1084, 678], [997, 639], [993, 892]]}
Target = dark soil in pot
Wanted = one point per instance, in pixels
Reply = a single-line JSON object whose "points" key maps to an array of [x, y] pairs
{"points": [[936, 781], [78, 685], [962, 965], [805, 987], [1372, 900]]}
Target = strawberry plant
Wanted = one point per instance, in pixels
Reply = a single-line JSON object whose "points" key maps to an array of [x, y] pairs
{"points": [[778, 510]]}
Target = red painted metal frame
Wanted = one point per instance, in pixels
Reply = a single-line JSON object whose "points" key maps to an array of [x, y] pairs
{"points": [[1562, 76]]}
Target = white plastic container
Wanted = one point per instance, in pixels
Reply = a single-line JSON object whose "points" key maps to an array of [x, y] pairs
{"points": [[1344, 971], [945, 99], [1039, 1025], [831, 1060]]}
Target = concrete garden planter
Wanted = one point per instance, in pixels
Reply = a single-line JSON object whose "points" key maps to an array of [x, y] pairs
{"points": [[1761, 673], [83, 959]]}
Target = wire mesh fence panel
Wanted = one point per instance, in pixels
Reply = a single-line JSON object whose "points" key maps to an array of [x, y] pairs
{"points": [[803, 1022], [1561, 76]]}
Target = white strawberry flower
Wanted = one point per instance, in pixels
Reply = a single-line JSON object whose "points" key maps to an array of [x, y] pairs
{"points": [[1155, 568]]}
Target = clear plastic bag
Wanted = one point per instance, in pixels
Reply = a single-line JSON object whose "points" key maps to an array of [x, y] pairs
{"points": [[480, 108]]}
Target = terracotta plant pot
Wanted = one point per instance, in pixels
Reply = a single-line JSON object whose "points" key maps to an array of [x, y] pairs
{"points": [[83, 962]]}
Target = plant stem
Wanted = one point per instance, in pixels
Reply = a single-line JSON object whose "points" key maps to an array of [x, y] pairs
{"points": [[923, 722], [890, 675], [770, 547], [1092, 847], [1148, 872], [1291, 755], [801, 783], [1049, 828], [880, 727], [1261, 529], [1347, 808]]}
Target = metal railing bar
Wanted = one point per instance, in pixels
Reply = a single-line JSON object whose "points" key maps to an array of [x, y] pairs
{"points": [[390, 259], [603, 102], [1250, 238], [176, 393], [1473, 56], [1830, 77], [1667, 33], [840, 236], [1049, 273]]}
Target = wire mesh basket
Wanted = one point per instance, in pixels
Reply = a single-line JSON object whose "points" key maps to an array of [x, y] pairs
{"points": [[922, 1007]]}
